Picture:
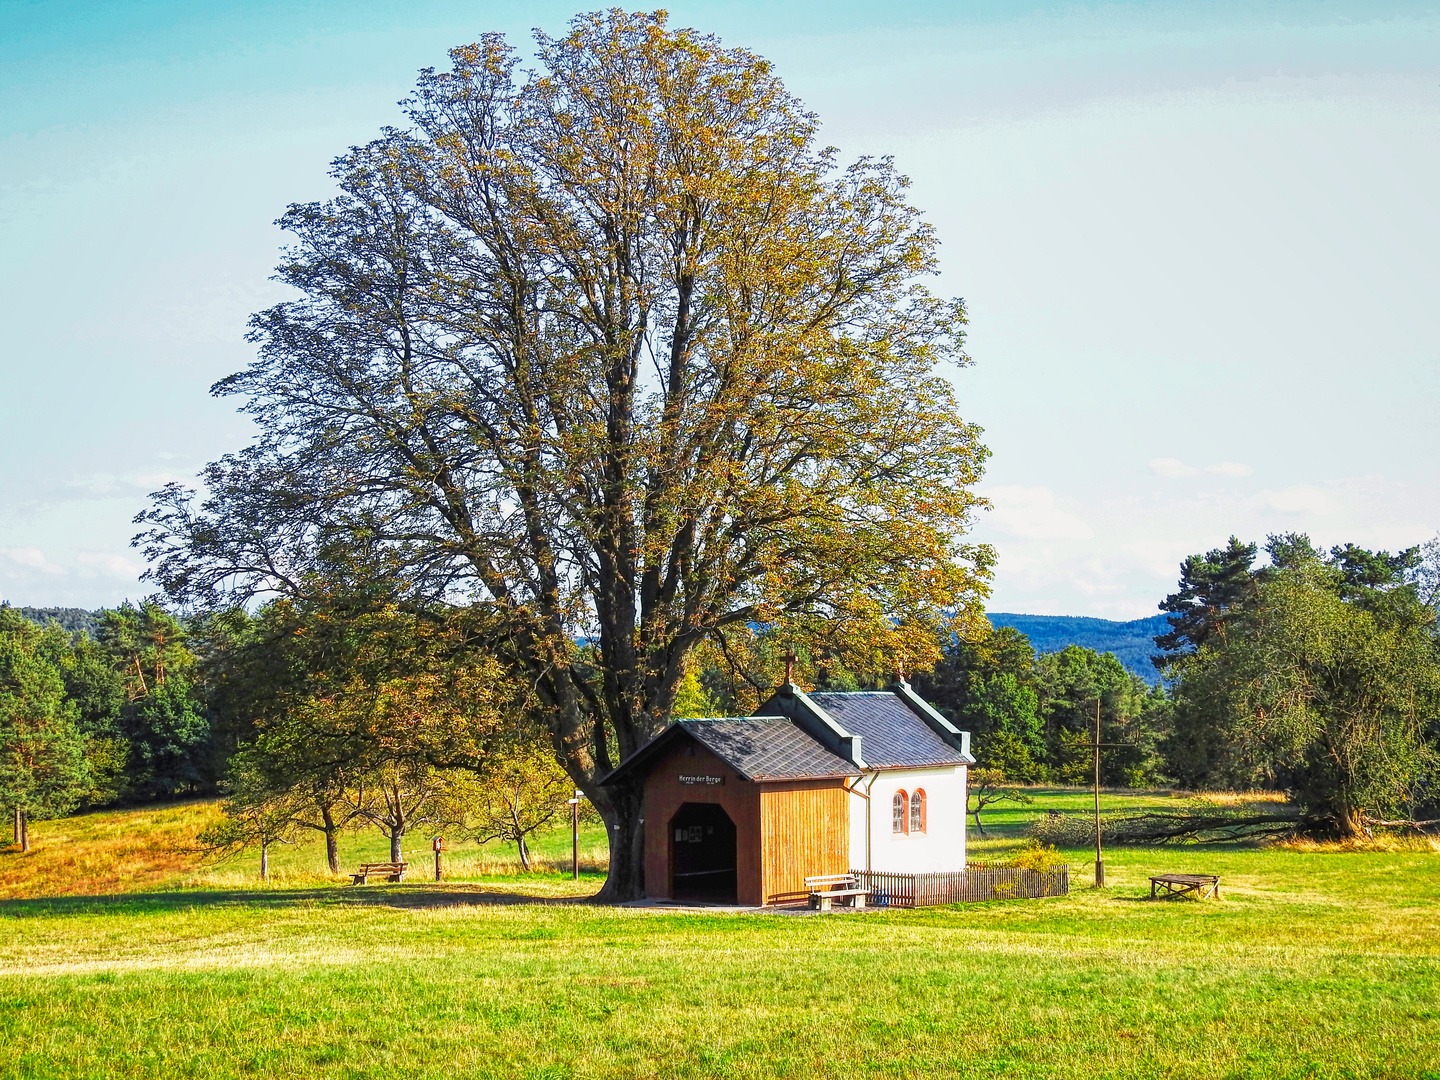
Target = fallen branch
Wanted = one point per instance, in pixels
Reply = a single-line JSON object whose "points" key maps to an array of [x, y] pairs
{"points": [[1400, 823], [1166, 827]]}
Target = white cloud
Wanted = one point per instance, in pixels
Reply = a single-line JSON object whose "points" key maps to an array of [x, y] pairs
{"points": [[1159, 557], [1035, 514], [33, 558], [1139, 539], [1172, 467], [104, 483], [155, 481], [1229, 468], [1304, 499], [109, 564], [100, 483]]}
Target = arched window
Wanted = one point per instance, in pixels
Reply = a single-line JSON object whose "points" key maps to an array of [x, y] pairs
{"points": [[917, 811], [900, 812]]}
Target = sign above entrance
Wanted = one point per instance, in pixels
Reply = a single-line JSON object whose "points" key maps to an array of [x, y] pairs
{"points": [[702, 781]]}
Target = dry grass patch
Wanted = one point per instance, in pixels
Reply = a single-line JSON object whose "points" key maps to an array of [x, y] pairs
{"points": [[111, 851], [1236, 798], [1378, 843]]}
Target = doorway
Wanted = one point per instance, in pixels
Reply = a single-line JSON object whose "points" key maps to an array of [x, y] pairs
{"points": [[702, 854]]}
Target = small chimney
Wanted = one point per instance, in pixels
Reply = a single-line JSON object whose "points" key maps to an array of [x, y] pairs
{"points": [[790, 667]]}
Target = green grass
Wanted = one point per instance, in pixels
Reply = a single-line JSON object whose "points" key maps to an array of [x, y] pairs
{"points": [[1315, 965]]}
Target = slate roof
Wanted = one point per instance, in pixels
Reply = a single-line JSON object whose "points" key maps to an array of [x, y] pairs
{"points": [[893, 734], [793, 742], [767, 748], [756, 747]]}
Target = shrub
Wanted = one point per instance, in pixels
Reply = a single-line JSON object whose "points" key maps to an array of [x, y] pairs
{"points": [[1037, 856]]}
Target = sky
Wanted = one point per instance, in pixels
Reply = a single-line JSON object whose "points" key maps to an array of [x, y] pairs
{"points": [[1199, 243]]}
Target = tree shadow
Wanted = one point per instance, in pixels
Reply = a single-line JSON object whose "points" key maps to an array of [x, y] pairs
{"points": [[365, 896]]}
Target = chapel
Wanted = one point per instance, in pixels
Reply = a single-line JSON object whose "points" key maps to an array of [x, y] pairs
{"points": [[741, 810]]}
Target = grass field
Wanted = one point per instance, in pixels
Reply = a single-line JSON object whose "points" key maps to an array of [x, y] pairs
{"points": [[1316, 965]]}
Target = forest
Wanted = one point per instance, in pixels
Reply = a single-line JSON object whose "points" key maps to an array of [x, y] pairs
{"points": [[1312, 672], [1132, 642]]}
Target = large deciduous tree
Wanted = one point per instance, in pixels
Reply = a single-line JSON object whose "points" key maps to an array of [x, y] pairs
{"points": [[616, 351], [1326, 681]]}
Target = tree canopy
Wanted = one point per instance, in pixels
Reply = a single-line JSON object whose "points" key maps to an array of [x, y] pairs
{"points": [[1325, 681], [616, 352], [43, 771]]}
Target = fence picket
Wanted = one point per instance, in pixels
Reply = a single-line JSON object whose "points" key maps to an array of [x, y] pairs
{"points": [[977, 883]]}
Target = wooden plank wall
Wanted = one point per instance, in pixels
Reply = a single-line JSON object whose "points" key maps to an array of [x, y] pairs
{"points": [[804, 830]]}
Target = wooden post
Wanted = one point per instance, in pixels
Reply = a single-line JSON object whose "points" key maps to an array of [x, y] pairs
{"points": [[575, 837], [1099, 854], [439, 845]]}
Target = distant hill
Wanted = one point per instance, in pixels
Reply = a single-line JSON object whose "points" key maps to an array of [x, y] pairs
{"points": [[1131, 642], [71, 619]]}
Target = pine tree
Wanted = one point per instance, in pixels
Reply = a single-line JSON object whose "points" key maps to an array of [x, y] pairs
{"points": [[43, 771]]}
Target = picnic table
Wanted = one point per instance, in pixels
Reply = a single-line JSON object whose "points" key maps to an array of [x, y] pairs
{"points": [[1199, 886]]}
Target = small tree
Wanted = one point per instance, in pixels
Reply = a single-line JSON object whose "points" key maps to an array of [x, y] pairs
{"points": [[401, 796], [517, 796], [267, 774], [986, 789], [326, 809], [250, 824]]}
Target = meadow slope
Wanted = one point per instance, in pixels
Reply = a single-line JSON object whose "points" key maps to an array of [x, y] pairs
{"points": [[1315, 965]]}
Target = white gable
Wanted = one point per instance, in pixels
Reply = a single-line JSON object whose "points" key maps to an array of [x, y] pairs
{"points": [[938, 846]]}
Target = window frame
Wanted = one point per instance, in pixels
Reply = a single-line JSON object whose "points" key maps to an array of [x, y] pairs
{"points": [[919, 811], [900, 813]]}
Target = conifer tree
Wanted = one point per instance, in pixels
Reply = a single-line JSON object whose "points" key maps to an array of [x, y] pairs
{"points": [[43, 771]]}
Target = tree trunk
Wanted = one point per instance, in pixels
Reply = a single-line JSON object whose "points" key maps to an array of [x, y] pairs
{"points": [[264, 860], [332, 846], [1349, 824], [24, 831], [1347, 818], [626, 833], [16, 826], [524, 852], [396, 835]]}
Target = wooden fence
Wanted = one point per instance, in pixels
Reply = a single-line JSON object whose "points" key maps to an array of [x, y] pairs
{"points": [[977, 882]]}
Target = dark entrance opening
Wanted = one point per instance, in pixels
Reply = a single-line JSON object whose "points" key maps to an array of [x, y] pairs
{"points": [[702, 854]]}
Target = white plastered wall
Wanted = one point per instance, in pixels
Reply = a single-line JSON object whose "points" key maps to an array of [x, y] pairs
{"points": [[940, 847]]}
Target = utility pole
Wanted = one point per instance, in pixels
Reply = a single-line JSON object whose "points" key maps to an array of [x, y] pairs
{"points": [[1096, 745], [1099, 853]]}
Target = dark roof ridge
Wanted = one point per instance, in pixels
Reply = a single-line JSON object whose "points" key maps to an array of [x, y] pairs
{"points": [[713, 719]]}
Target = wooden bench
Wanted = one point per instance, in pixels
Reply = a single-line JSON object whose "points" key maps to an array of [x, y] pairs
{"points": [[1198, 886], [390, 871], [825, 889]]}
